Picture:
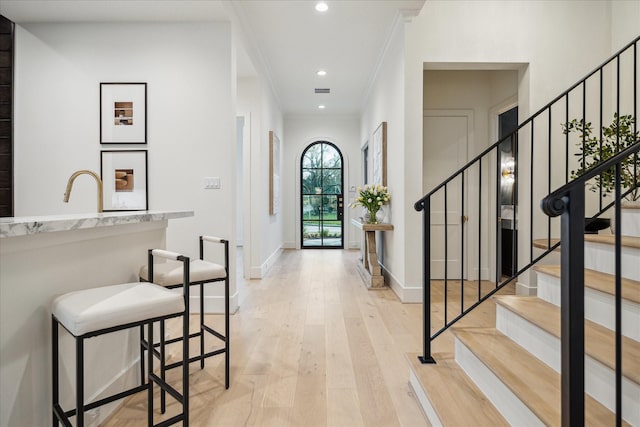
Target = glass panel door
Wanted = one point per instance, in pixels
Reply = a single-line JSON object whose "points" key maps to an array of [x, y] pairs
{"points": [[321, 199]]}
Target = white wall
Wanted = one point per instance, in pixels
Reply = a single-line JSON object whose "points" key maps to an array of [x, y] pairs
{"points": [[482, 92], [625, 15], [386, 103], [186, 67], [262, 232], [190, 117], [552, 44], [300, 131]]}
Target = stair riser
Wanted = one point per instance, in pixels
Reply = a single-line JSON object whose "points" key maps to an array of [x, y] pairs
{"points": [[423, 400], [599, 379], [599, 306], [600, 257], [630, 222], [506, 402]]}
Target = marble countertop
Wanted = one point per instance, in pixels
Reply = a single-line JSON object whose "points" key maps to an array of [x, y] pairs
{"points": [[27, 225]]}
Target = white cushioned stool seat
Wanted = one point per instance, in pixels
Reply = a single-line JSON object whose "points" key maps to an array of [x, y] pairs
{"points": [[98, 308], [170, 273]]}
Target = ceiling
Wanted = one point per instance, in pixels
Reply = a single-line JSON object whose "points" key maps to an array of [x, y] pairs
{"points": [[288, 39]]}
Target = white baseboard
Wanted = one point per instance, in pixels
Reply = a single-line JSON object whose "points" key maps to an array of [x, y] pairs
{"points": [[405, 294], [213, 304], [259, 272], [289, 245], [525, 289]]}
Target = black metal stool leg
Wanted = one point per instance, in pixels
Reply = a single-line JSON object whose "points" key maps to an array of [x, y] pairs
{"points": [[150, 371], [201, 325], [142, 373], [79, 382], [55, 393], [226, 332], [163, 393]]}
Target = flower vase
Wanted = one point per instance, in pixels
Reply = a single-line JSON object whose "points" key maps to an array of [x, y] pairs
{"points": [[380, 215]]}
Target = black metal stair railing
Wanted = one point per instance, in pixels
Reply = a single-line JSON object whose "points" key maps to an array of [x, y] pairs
{"points": [[462, 216], [569, 202]]}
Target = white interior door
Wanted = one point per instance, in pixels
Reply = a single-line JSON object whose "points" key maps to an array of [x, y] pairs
{"points": [[446, 140]]}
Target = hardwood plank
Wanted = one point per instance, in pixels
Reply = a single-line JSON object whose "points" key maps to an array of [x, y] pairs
{"points": [[599, 341], [343, 408], [604, 239], [376, 407], [602, 282], [302, 352], [536, 384], [454, 396]]}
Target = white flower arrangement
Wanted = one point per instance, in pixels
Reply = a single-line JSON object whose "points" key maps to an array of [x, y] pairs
{"points": [[372, 197]]}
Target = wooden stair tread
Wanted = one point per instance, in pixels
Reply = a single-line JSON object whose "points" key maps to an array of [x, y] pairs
{"points": [[600, 281], [605, 239], [535, 383], [599, 341], [454, 396]]}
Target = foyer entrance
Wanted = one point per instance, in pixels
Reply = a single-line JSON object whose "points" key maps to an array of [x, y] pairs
{"points": [[321, 198]]}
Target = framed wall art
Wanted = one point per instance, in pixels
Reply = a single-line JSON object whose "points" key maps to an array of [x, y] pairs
{"points": [[123, 113], [124, 180], [274, 173], [379, 155]]}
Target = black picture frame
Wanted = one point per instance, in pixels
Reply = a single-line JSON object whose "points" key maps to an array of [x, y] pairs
{"points": [[125, 180], [123, 113]]}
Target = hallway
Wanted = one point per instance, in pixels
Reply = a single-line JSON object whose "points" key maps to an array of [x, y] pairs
{"points": [[310, 346]]}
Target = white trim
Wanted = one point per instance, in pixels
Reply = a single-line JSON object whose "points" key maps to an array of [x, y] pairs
{"points": [[258, 272], [213, 304], [524, 289], [346, 220], [423, 400], [404, 294]]}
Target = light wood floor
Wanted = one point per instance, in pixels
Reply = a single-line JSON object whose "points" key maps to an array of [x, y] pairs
{"points": [[311, 346]]}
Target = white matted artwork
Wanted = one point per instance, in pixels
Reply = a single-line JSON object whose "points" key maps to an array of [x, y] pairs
{"points": [[124, 180], [274, 173], [379, 155], [123, 113]]}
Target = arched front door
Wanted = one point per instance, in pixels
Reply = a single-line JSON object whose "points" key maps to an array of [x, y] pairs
{"points": [[321, 201]]}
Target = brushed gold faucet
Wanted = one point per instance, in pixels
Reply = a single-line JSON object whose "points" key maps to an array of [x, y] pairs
{"points": [[67, 192]]}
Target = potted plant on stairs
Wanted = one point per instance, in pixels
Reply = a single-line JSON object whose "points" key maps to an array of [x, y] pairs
{"points": [[593, 149]]}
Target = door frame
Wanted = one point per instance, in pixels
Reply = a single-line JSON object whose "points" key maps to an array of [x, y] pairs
{"points": [[345, 184]]}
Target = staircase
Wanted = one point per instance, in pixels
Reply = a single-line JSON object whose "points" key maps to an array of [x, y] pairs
{"points": [[510, 374], [569, 356]]}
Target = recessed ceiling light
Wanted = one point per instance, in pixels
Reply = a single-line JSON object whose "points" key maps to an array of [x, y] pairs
{"points": [[321, 73], [322, 6], [322, 107]]}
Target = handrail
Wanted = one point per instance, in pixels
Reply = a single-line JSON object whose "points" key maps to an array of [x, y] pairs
{"points": [[569, 202], [419, 205], [536, 148], [553, 205]]}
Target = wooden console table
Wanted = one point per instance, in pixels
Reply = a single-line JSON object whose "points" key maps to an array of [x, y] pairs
{"points": [[369, 268]]}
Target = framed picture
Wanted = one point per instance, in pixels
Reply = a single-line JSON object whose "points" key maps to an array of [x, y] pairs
{"points": [[274, 173], [379, 155], [123, 113], [124, 180]]}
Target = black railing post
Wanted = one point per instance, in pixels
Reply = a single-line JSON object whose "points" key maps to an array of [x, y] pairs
{"points": [[426, 284], [572, 308]]}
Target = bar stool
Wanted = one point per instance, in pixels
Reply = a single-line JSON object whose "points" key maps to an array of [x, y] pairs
{"points": [[201, 272], [93, 312]]}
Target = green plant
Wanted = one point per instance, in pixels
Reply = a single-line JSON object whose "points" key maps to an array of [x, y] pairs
{"points": [[592, 150]]}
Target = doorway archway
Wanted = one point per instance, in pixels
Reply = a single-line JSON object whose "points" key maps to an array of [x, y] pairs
{"points": [[321, 196]]}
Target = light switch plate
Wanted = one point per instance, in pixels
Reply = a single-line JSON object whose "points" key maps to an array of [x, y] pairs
{"points": [[211, 182]]}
